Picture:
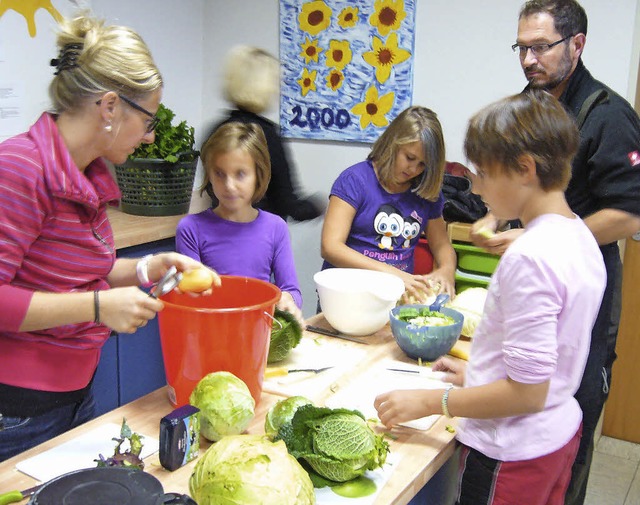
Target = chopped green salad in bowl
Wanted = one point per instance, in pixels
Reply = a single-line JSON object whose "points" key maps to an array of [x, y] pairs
{"points": [[422, 317], [423, 333]]}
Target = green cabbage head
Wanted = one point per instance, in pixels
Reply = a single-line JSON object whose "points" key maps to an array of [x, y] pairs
{"points": [[250, 469], [338, 444], [225, 403], [282, 413], [470, 303]]}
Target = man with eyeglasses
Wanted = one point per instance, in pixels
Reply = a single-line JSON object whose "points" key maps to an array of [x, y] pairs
{"points": [[604, 188]]}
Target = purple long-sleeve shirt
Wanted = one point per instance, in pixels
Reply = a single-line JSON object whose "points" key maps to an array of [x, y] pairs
{"points": [[260, 249], [542, 303]]}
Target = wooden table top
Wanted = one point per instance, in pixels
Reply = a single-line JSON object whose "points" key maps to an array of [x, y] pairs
{"points": [[420, 453]]}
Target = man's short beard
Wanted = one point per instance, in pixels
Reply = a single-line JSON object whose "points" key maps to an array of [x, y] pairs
{"points": [[549, 85], [564, 71]]}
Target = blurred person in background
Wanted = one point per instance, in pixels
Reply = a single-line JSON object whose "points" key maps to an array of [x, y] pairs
{"points": [[251, 85]]}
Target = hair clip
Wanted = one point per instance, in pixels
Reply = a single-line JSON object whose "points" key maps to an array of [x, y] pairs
{"points": [[67, 58]]}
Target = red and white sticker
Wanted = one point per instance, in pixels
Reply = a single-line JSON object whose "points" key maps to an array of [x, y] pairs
{"points": [[634, 158]]}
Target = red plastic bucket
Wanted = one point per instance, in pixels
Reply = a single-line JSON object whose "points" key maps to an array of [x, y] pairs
{"points": [[228, 330]]}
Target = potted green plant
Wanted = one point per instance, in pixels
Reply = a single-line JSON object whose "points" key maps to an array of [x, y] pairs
{"points": [[157, 179]]}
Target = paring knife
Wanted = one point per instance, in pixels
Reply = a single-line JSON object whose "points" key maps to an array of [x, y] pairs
{"points": [[334, 333], [18, 496], [427, 373], [280, 371]]}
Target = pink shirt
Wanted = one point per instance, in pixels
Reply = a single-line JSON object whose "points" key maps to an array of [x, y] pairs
{"points": [[54, 237], [542, 303]]}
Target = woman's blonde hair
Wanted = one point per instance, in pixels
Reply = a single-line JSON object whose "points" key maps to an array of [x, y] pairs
{"points": [[415, 124], [251, 78], [247, 137], [94, 58], [533, 123]]}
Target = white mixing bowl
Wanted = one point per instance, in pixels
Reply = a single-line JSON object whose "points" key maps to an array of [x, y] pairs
{"points": [[356, 301]]}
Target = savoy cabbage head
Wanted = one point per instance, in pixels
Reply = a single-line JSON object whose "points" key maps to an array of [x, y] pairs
{"points": [[337, 444], [249, 469], [225, 403], [282, 412]]}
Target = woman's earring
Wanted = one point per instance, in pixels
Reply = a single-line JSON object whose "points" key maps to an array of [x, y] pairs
{"points": [[108, 128]]}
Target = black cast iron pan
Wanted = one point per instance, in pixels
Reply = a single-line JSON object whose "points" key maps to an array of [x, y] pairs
{"points": [[106, 486]]}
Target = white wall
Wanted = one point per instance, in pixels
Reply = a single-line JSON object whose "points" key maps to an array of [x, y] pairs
{"points": [[24, 65], [173, 31], [462, 62]]}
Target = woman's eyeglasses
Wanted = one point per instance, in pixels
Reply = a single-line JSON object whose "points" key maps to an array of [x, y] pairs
{"points": [[153, 122]]}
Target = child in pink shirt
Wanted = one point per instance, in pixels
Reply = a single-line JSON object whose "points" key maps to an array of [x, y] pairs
{"points": [[521, 425]]}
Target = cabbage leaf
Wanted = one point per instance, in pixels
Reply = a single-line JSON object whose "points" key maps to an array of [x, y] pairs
{"points": [[286, 334]]}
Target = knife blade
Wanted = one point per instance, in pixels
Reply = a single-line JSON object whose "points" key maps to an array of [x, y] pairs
{"points": [[427, 373], [334, 333], [18, 496]]}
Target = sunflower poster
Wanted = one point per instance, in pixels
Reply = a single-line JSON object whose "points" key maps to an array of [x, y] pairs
{"points": [[347, 67]]}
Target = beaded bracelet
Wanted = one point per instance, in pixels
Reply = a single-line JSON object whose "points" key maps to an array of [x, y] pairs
{"points": [[96, 307], [142, 271], [445, 400]]}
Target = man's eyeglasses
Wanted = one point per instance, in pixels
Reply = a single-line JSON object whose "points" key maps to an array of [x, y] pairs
{"points": [[536, 49], [153, 122]]}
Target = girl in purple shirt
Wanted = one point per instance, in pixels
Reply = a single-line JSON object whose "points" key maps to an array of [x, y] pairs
{"points": [[522, 424], [379, 208], [234, 237]]}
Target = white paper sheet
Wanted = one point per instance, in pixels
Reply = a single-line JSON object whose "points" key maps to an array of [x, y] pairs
{"points": [[79, 453], [361, 393]]}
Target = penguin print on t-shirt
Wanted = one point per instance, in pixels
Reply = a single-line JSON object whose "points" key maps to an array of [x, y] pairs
{"points": [[410, 230], [388, 224]]}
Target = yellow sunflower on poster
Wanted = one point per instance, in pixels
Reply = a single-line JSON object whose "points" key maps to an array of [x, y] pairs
{"points": [[27, 9], [347, 65]]}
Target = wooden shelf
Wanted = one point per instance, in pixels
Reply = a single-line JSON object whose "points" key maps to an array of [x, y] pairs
{"points": [[459, 231], [129, 230]]}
